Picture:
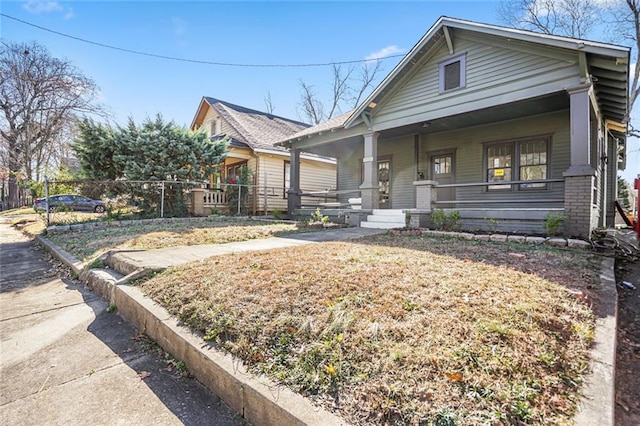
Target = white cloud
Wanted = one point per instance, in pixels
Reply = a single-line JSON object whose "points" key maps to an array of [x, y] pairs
{"points": [[180, 26], [39, 6], [385, 52], [69, 14]]}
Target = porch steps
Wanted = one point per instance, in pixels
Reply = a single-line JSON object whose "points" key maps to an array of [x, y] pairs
{"points": [[384, 219]]}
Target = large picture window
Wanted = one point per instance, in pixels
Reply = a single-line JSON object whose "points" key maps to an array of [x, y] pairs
{"points": [[517, 160]]}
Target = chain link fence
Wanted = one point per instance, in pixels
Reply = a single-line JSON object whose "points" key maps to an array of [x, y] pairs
{"points": [[124, 199]]}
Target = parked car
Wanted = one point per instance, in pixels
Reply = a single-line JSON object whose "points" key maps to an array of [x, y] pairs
{"points": [[69, 202]]}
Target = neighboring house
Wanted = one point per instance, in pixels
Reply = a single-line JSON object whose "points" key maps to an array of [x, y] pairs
{"points": [[502, 125], [252, 135]]}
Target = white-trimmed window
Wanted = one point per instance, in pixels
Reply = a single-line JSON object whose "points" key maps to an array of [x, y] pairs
{"points": [[522, 160], [453, 73]]}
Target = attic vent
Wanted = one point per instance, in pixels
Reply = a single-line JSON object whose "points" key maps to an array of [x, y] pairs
{"points": [[216, 127], [453, 73]]}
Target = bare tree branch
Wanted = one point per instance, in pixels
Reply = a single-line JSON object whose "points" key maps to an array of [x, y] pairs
{"points": [[340, 88], [346, 91], [571, 18], [40, 98], [368, 73], [269, 103], [312, 108]]}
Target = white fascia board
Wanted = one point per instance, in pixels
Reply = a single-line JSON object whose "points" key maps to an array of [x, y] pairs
{"points": [[202, 102], [547, 39], [327, 160]]}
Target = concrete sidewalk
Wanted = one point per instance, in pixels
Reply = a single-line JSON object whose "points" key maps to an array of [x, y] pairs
{"points": [[66, 359], [257, 399]]}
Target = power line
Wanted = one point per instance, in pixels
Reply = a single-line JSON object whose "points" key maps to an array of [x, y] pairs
{"points": [[195, 61]]}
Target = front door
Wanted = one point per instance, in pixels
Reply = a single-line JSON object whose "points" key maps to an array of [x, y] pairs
{"points": [[442, 171], [384, 183]]}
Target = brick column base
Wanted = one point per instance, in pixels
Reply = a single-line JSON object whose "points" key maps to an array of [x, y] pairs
{"points": [[579, 219]]}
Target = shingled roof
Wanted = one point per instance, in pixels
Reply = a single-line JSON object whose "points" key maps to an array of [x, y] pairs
{"points": [[257, 129]]}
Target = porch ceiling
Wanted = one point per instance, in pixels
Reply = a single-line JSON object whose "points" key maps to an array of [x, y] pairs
{"points": [[554, 102]]}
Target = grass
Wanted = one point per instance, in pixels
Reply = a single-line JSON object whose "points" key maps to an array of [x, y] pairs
{"points": [[402, 330], [90, 243]]}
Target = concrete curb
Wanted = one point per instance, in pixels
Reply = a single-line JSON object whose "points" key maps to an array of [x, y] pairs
{"points": [[257, 400], [597, 405], [264, 403]]}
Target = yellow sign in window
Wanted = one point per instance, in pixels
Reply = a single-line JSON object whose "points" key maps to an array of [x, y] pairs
{"points": [[498, 172]]}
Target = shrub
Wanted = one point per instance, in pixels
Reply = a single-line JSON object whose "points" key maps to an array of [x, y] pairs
{"points": [[445, 221], [553, 223]]}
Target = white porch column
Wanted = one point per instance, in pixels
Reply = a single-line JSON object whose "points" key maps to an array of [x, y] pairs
{"points": [[293, 193], [580, 216], [369, 188]]}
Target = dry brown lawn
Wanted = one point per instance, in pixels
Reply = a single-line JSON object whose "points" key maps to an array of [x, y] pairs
{"points": [[90, 242], [402, 330]]}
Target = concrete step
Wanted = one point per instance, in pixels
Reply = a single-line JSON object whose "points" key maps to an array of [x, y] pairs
{"points": [[388, 212], [385, 218], [382, 225]]}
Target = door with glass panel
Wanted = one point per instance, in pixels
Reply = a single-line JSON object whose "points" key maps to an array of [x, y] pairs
{"points": [[443, 172], [384, 182]]}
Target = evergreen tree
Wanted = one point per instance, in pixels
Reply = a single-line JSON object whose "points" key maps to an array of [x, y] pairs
{"points": [[624, 194]]}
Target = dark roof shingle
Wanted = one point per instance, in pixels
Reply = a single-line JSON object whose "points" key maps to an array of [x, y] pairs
{"points": [[256, 128]]}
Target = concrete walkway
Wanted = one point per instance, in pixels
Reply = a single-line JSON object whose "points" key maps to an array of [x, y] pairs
{"points": [[127, 262], [66, 360]]}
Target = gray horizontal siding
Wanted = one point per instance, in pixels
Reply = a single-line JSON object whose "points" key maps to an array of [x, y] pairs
{"points": [[349, 160], [469, 145], [403, 170], [496, 73]]}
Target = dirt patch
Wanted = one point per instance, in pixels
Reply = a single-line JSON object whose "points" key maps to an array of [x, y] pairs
{"points": [[628, 354]]}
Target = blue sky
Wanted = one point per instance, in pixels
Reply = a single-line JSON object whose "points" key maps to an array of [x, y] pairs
{"points": [[244, 32]]}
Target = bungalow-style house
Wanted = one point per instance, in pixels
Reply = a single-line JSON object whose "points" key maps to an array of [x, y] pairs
{"points": [[503, 126], [252, 135]]}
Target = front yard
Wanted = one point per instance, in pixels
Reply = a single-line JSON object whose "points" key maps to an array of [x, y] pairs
{"points": [[391, 329], [402, 330]]}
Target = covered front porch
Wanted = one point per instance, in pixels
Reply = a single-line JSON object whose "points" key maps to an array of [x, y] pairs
{"points": [[508, 168]]}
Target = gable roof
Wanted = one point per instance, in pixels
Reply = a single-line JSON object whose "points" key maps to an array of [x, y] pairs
{"points": [[256, 129], [608, 75], [607, 64]]}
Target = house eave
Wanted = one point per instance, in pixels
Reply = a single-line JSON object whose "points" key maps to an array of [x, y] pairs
{"points": [[203, 102], [619, 53], [320, 159]]}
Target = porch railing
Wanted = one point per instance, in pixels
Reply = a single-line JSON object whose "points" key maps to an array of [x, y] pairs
{"points": [[331, 199], [510, 200], [214, 198]]}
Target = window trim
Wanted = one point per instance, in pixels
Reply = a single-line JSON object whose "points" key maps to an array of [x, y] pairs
{"points": [[515, 162], [284, 177], [462, 58], [234, 165]]}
